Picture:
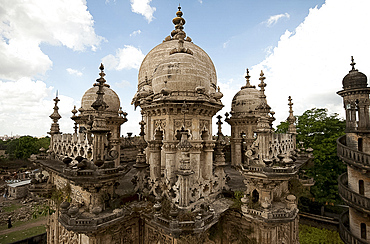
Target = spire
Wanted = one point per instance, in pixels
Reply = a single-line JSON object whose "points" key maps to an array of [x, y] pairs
{"points": [[179, 23], [55, 116], [247, 77], [74, 112], [353, 64], [291, 119], [99, 104], [141, 145], [262, 85]]}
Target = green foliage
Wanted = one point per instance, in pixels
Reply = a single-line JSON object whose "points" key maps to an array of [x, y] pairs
{"points": [[22, 234], [62, 194], [319, 130], [42, 210], [23, 147], [11, 208], [312, 235], [238, 195]]}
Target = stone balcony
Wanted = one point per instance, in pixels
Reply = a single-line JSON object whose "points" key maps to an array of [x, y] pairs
{"points": [[277, 215], [352, 198], [352, 156], [345, 233], [84, 222]]}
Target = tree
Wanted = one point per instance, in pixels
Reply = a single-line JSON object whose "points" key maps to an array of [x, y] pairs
{"points": [[23, 147], [319, 130]]}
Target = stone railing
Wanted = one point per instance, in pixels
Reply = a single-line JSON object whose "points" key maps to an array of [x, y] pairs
{"points": [[281, 144], [345, 233], [289, 170], [352, 156], [85, 225], [279, 215], [352, 198], [73, 145]]}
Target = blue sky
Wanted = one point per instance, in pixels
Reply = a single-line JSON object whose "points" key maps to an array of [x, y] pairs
{"points": [[303, 47]]}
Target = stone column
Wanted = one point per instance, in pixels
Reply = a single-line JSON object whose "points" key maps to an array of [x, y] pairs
{"points": [[207, 164], [170, 157], [155, 159]]}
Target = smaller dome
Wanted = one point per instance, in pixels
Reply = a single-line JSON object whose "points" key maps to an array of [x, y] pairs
{"points": [[110, 98], [354, 79], [246, 100]]}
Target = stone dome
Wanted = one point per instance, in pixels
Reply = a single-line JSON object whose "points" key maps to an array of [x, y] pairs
{"points": [[110, 97], [354, 79], [182, 72], [197, 67], [246, 101]]}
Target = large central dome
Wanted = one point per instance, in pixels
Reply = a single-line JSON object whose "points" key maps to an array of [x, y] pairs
{"points": [[177, 67]]}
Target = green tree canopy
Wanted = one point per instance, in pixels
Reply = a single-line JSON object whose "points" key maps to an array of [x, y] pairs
{"points": [[319, 130], [23, 147]]}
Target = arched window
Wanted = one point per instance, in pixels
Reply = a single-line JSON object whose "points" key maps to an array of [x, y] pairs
{"points": [[363, 231], [359, 144], [361, 188], [255, 196]]}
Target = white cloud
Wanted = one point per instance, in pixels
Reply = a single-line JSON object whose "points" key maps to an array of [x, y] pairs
{"points": [[142, 7], [123, 84], [128, 57], [25, 106], [275, 18], [310, 63], [134, 33], [225, 44], [74, 72], [24, 26]]}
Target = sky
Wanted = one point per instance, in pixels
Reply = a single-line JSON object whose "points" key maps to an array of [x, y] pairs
{"points": [[304, 48]]}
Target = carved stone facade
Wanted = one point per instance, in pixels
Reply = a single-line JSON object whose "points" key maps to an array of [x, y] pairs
{"points": [[178, 182]]}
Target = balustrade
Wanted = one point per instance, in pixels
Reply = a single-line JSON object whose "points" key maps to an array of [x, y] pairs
{"points": [[352, 198]]}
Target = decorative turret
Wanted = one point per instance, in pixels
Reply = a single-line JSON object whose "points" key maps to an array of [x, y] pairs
{"points": [[291, 120], [356, 102], [55, 116]]}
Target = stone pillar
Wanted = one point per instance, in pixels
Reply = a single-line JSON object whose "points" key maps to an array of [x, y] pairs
{"points": [[206, 168], [236, 151], [155, 159], [170, 157]]}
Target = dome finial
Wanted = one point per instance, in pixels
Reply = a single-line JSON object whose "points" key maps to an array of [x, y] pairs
{"points": [[353, 63], [247, 82], [262, 85]]}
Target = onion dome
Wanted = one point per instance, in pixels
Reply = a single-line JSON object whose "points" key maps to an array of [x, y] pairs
{"points": [[111, 99], [246, 100], [354, 79], [176, 66]]}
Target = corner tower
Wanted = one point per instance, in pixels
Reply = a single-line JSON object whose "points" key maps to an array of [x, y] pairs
{"points": [[354, 150]]}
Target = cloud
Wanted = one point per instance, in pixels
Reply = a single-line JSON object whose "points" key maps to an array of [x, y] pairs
{"points": [[275, 18], [128, 57], [142, 7], [134, 33], [74, 72], [310, 62], [25, 104], [225, 44], [123, 84], [24, 26]]}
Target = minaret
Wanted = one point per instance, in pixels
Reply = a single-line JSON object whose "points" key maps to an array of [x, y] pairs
{"points": [[354, 150]]}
